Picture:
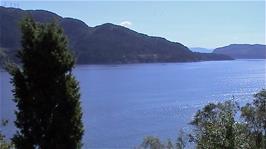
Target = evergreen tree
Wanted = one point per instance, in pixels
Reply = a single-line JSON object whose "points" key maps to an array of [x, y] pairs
{"points": [[46, 93]]}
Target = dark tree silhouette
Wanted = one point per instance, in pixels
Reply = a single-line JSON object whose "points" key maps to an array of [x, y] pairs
{"points": [[46, 93]]}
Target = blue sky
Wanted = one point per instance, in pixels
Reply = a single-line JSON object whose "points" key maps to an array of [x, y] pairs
{"points": [[206, 24]]}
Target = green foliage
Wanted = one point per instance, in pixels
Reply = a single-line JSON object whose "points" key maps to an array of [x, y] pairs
{"points": [[46, 93], [169, 144], [151, 142], [218, 126], [255, 118], [215, 126], [4, 143], [181, 140]]}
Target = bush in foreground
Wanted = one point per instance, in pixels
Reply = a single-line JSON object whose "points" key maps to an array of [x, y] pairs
{"points": [[218, 126]]}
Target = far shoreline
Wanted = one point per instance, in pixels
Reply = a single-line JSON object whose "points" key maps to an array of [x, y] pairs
{"points": [[151, 63]]}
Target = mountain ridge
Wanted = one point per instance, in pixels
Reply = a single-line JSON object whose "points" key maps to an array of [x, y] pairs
{"points": [[243, 51], [102, 44]]}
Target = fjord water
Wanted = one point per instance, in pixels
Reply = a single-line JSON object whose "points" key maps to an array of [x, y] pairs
{"points": [[123, 103]]}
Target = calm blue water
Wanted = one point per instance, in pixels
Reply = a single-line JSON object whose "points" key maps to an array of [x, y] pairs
{"points": [[124, 103]]}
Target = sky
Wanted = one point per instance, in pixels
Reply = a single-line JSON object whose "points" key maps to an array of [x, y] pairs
{"points": [[207, 24]]}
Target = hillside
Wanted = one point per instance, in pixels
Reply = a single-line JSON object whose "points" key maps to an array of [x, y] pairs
{"points": [[103, 44], [243, 51]]}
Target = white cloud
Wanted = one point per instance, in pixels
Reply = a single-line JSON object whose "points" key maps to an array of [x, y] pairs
{"points": [[126, 24]]}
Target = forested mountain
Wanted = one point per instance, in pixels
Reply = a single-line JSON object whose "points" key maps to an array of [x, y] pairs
{"points": [[243, 51], [103, 44]]}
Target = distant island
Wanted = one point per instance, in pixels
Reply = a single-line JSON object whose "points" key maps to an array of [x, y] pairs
{"points": [[103, 44], [243, 51]]}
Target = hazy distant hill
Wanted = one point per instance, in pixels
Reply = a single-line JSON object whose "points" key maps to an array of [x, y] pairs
{"points": [[107, 43], [243, 51], [201, 50]]}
